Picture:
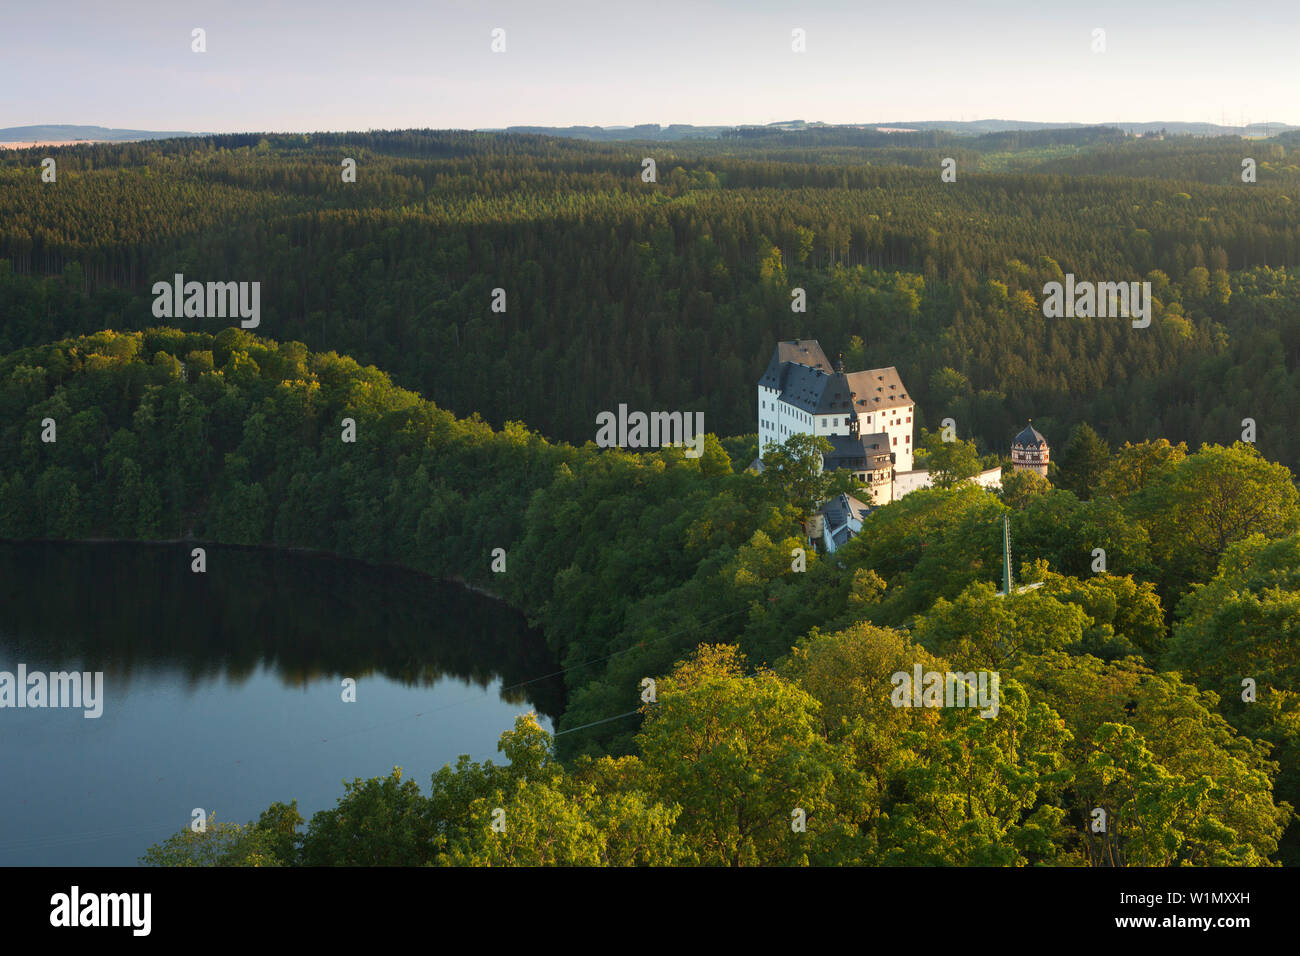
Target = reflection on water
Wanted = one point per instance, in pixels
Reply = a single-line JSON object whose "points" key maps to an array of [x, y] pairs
{"points": [[223, 689]]}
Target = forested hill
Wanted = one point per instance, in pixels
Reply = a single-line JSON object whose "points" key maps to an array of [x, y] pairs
{"points": [[63, 132], [670, 294], [631, 562]]}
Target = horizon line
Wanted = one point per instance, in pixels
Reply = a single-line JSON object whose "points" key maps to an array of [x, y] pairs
{"points": [[858, 124]]}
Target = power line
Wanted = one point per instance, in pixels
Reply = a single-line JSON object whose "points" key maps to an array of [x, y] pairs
{"points": [[561, 733], [485, 695], [53, 840], [631, 647], [751, 674]]}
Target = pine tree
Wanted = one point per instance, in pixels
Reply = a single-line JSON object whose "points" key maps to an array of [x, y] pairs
{"points": [[1082, 461]]}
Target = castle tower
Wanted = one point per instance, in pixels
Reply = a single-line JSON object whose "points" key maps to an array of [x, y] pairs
{"points": [[1029, 451]]}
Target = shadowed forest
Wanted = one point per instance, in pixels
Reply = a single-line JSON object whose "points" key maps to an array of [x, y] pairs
{"points": [[1121, 688]]}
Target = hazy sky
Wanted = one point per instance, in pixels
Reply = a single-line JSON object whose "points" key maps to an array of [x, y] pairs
{"points": [[330, 64]]}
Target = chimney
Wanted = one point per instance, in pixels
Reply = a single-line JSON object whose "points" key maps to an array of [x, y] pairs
{"points": [[816, 527]]}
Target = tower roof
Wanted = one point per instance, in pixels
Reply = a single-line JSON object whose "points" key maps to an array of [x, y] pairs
{"points": [[1029, 438]]}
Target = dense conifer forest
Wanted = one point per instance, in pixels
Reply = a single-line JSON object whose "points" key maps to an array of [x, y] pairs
{"points": [[1121, 689], [671, 294]]}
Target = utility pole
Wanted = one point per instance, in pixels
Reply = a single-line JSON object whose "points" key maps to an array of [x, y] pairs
{"points": [[1006, 554]]}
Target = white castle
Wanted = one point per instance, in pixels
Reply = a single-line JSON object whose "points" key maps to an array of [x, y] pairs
{"points": [[866, 416]]}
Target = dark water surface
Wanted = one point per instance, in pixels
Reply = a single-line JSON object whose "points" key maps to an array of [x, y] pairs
{"points": [[223, 690]]}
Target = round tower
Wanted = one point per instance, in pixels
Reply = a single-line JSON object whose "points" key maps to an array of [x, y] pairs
{"points": [[1029, 451]]}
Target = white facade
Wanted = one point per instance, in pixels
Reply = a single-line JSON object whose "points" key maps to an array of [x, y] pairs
{"points": [[801, 394], [874, 402], [778, 420], [909, 481], [897, 424]]}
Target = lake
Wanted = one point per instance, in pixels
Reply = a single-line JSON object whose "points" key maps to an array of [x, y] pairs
{"points": [[224, 690]]}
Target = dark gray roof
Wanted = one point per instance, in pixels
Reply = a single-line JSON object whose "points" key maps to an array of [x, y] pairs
{"points": [[1029, 438], [836, 511], [859, 508], [800, 351], [865, 453], [811, 389], [799, 370], [839, 509]]}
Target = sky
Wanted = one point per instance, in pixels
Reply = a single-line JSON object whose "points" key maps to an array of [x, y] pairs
{"points": [[274, 65]]}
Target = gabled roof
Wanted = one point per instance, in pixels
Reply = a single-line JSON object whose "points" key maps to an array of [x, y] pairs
{"points": [[839, 509], [800, 371], [812, 390], [1029, 438], [800, 351], [878, 388], [798, 367]]}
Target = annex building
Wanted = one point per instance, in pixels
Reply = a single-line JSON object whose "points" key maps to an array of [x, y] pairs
{"points": [[867, 416]]}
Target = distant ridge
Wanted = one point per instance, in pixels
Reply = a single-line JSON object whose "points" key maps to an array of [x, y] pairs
{"points": [[1173, 128], [679, 131], [62, 133]]}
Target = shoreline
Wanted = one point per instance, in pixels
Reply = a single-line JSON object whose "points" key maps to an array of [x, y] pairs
{"points": [[454, 579]]}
